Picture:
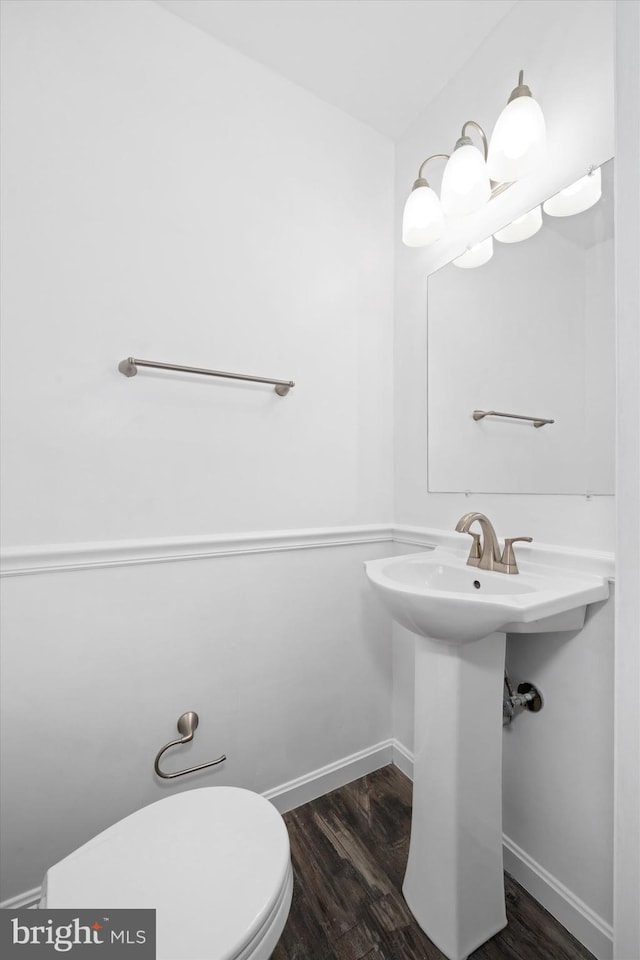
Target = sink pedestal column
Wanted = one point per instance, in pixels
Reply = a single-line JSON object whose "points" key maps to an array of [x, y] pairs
{"points": [[454, 881]]}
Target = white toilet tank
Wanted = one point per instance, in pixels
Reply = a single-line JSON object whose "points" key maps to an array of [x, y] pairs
{"points": [[214, 862]]}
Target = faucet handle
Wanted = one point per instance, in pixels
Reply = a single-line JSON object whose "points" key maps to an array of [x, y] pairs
{"points": [[475, 553], [508, 559]]}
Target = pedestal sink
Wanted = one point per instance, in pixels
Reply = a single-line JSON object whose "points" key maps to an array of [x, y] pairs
{"points": [[454, 879]]}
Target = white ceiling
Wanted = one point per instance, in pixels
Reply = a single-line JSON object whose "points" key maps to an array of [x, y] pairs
{"points": [[381, 61]]}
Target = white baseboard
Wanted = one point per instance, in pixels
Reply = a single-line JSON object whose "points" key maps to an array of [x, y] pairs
{"points": [[30, 898], [316, 784], [402, 758], [579, 919]]}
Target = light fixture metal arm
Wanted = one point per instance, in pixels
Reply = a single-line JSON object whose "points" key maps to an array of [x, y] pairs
{"points": [[485, 142], [434, 156]]}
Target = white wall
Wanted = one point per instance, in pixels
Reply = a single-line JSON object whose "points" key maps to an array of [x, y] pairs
{"points": [[169, 199], [627, 661], [600, 367], [566, 50]]}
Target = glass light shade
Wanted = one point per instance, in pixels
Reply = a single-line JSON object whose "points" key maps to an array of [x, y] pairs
{"points": [[476, 256], [517, 141], [581, 195], [423, 219], [465, 182], [522, 228]]}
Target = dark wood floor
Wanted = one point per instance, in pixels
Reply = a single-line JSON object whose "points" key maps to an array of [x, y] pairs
{"points": [[349, 851]]}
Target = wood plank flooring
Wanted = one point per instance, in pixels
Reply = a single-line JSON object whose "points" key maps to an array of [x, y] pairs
{"points": [[349, 851]]}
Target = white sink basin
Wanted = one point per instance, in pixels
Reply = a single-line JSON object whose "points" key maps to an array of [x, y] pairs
{"points": [[453, 884], [438, 595]]}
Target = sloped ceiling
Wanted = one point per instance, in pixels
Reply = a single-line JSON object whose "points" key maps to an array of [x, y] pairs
{"points": [[381, 61]]}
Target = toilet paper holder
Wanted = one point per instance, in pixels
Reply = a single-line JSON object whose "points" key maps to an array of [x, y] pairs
{"points": [[187, 724]]}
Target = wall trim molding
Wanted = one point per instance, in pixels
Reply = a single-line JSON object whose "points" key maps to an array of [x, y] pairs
{"points": [[67, 557], [30, 898], [317, 783], [402, 758], [572, 912], [21, 561]]}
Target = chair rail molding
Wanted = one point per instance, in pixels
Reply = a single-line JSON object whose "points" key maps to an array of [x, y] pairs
{"points": [[47, 558], [20, 561]]}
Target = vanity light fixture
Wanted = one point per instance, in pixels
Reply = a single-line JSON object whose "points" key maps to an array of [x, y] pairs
{"points": [[477, 255], [577, 197], [465, 182], [471, 176], [521, 228], [518, 137], [423, 219]]}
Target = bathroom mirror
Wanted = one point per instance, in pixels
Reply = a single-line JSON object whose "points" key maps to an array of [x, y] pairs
{"points": [[529, 333]]}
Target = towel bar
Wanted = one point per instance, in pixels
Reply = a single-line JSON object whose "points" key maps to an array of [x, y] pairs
{"points": [[129, 368], [537, 421], [187, 724]]}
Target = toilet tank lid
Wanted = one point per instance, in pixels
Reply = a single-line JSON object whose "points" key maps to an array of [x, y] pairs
{"points": [[213, 852]]}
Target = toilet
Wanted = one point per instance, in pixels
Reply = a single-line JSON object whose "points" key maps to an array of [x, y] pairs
{"points": [[214, 862]]}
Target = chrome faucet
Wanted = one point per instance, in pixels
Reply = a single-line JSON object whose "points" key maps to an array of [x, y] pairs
{"points": [[485, 554]]}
